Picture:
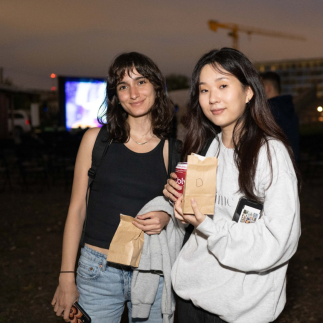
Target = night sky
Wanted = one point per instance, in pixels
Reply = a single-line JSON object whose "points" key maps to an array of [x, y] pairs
{"points": [[80, 38]]}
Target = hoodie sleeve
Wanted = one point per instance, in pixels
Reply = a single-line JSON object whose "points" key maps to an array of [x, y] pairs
{"points": [[160, 203], [269, 242]]}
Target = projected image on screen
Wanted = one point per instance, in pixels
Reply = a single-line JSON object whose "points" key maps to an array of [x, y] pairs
{"points": [[82, 102]]}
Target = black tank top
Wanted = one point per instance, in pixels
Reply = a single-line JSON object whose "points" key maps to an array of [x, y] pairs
{"points": [[124, 183]]}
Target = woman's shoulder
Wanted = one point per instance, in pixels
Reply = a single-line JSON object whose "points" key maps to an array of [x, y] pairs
{"points": [[89, 138], [91, 133], [279, 156], [276, 147]]}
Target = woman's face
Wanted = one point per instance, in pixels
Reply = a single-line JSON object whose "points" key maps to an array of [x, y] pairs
{"points": [[222, 97], [136, 94]]}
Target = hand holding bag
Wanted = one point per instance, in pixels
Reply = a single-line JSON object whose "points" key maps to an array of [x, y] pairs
{"points": [[200, 183]]}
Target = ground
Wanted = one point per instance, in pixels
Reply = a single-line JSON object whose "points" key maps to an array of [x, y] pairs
{"points": [[32, 222]]}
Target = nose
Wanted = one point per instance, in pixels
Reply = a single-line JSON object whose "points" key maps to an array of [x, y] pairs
{"points": [[214, 97], [134, 94]]}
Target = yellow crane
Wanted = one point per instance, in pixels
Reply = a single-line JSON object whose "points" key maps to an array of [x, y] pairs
{"points": [[234, 29]]}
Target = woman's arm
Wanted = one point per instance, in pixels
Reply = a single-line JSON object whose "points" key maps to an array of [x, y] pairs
{"points": [[266, 244], [273, 239], [66, 293]]}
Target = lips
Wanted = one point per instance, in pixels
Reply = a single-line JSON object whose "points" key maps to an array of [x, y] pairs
{"points": [[136, 103], [217, 111]]}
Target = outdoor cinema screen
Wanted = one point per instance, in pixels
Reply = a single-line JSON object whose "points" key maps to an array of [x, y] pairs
{"points": [[83, 98]]}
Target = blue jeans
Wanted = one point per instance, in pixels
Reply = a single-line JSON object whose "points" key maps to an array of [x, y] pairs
{"points": [[104, 290]]}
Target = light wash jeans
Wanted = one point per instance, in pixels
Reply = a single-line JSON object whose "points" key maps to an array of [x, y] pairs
{"points": [[104, 290]]}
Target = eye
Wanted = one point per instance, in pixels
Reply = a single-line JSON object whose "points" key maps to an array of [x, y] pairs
{"points": [[122, 87], [142, 82], [223, 86], [203, 90]]}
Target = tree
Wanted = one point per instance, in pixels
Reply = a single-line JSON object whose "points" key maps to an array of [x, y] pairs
{"points": [[177, 82]]}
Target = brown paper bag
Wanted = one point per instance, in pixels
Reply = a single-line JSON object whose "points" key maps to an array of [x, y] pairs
{"points": [[200, 183], [126, 245]]}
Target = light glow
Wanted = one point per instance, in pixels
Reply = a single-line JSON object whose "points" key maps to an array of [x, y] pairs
{"points": [[83, 99], [320, 109]]}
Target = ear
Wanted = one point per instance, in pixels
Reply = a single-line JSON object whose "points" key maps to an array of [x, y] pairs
{"points": [[249, 94]]}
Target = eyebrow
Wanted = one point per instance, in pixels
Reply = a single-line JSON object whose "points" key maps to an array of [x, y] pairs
{"points": [[218, 79], [136, 79]]}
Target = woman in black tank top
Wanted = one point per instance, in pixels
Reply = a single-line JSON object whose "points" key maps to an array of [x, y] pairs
{"points": [[132, 172]]}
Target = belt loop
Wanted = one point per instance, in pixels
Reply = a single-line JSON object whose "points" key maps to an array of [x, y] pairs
{"points": [[104, 265]]}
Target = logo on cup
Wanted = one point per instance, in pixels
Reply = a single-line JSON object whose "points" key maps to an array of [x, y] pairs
{"points": [[181, 174], [180, 181]]}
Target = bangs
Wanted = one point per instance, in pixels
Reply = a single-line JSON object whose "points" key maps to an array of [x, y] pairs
{"points": [[121, 72], [230, 68], [130, 67], [220, 69]]}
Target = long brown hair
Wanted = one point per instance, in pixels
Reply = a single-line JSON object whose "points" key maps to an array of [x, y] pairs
{"points": [[256, 125], [115, 116]]}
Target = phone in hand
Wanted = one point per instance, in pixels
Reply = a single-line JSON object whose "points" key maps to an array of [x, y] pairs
{"points": [[247, 211], [78, 315]]}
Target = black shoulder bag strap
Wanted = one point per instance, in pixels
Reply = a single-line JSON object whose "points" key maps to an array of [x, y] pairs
{"points": [[190, 228], [100, 148]]}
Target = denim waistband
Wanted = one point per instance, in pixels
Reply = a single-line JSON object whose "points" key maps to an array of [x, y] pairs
{"points": [[94, 255], [101, 259]]}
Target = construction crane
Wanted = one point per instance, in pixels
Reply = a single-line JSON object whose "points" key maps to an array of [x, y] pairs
{"points": [[234, 29]]}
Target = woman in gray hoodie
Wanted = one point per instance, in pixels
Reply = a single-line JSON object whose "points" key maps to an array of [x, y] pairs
{"points": [[229, 271]]}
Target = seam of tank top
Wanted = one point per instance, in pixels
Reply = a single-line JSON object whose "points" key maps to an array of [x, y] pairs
{"points": [[147, 153]]}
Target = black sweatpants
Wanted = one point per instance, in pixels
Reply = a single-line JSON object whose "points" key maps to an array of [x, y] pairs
{"points": [[187, 312]]}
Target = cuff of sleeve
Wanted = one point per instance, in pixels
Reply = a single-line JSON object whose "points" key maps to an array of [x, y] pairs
{"points": [[140, 310], [207, 227]]}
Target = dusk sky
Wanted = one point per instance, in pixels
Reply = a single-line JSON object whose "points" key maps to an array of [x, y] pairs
{"points": [[80, 38]]}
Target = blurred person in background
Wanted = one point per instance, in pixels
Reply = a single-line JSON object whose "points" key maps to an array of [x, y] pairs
{"points": [[283, 110], [131, 173]]}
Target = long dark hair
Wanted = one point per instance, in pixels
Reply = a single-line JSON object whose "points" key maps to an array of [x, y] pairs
{"points": [[115, 116], [256, 125]]}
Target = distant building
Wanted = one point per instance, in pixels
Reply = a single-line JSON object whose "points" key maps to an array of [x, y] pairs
{"points": [[297, 75]]}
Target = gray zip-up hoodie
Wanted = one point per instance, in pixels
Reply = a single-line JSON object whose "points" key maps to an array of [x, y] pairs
{"points": [[157, 258]]}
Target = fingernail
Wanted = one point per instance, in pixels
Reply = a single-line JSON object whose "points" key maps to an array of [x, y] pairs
{"points": [[192, 200]]}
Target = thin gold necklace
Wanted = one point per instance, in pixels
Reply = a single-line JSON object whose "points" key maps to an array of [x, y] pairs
{"points": [[142, 143]]}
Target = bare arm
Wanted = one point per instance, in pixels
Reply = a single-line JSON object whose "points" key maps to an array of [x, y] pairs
{"points": [[66, 293]]}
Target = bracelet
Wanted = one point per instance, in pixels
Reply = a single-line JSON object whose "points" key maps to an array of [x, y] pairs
{"points": [[63, 272]]}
